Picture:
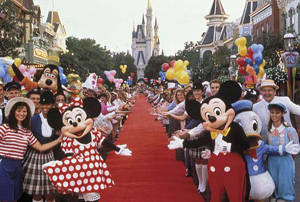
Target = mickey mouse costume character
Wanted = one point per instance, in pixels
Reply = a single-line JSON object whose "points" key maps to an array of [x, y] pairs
{"points": [[227, 169], [50, 78], [83, 171]]}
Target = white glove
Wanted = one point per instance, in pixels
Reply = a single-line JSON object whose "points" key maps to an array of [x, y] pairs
{"points": [[221, 146], [6, 61], [176, 143], [292, 148], [124, 151], [206, 154]]}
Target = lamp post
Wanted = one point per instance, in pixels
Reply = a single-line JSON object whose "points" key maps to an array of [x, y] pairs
{"points": [[290, 58]]}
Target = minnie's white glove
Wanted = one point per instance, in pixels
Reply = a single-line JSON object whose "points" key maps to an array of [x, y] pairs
{"points": [[206, 154], [292, 148], [124, 151], [6, 61], [176, 143]]}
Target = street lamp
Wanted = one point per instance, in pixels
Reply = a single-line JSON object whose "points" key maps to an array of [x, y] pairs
{"points": [[289, 40], [232, 60]]}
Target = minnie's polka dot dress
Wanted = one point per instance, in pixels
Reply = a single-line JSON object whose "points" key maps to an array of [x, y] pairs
{"points": [[85, 171]]}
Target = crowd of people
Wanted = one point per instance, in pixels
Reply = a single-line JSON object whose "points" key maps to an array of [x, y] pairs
{"points": [[274, 124], [28, 142]]}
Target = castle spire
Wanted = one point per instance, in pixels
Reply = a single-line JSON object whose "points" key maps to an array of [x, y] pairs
{"points": [[149, 5], [143, 19], [155, 25]]}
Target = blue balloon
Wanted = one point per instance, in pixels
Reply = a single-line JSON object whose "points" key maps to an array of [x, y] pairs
{"points": [[256, 69], [258, 61], [7, 78], [63, 79], [248, 61], [2, 72], [162, 69], [6, 68], [160, 73]]}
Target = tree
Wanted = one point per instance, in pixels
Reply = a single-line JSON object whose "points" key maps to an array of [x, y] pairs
{"points": [[84, 57], [11, 29], [154, 66], [124, 59], [273, 47]]}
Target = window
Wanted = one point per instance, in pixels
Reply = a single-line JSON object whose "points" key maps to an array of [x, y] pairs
{"points": [[284, 23], [262, 28], [268, 26], [257, 31]]}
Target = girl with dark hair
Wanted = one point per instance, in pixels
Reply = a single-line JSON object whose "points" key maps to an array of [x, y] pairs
{"points": [[15, 136], [281, 168]]}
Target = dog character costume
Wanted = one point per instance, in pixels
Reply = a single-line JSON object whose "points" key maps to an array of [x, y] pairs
{"points": [[83, 171], [262, 184], [227, 169], [50, 78]]}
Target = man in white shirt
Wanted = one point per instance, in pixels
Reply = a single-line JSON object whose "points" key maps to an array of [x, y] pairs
{"points": [[268, 91]]}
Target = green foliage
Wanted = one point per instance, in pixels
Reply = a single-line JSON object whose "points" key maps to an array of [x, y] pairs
{"points": [[12, 29], [154, 66], [84, 57], [273, 46], [277, 74]]}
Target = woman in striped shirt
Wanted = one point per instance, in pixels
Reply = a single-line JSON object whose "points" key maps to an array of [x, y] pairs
{"points": [[15, 136]]}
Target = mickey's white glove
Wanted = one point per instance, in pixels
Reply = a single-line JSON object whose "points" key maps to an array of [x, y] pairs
{"points": [[292, 148], [177, 143], [206, 154], [6, 61], [124, 151], [221, 146]]}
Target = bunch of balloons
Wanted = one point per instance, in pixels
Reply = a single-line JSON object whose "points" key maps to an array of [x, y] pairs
{"points": [[123, 68], [162, 75], [118, 83], [178, 71], [63, 78], [250, 58], [27, 73], [110, 75]]}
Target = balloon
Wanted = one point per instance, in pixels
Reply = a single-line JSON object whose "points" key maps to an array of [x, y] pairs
{"points": [[63, 79], [258, 61], [123, 71], [165, 66], [171, 74], [242, 70], [250, 53], [7, 78], [178, 66], [132, 74], [11, 71], [256, 69], [172, 63], [240, 61], [248, 61], [113, 72], [146, 80], [17, 61], [186, 63], [2, 71], [183, 78], [160, 73], [241, 44]]}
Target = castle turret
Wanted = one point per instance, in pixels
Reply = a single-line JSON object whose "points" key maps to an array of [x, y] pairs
{"points": [[149, 32]]}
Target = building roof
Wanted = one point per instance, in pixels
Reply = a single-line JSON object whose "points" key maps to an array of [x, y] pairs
{"points": [[250, 7], [217, 8], [139, 29], [141, 57], [209, 36], [53, 17]]}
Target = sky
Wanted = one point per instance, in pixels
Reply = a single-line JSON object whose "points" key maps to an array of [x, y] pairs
{"points": [[110, 22]]}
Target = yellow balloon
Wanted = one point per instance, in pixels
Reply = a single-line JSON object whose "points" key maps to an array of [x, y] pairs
{"points": [[186, 63], [261, 72], [243, 41], [242, 50], [17, 62], [171, 74], [125, 66], [7, 57], [11, 71], [179, 65], [123, 71], [183, 78], [121, 67], [263, 64]]}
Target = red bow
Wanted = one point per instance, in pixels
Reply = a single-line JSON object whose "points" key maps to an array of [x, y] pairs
{"points": [[76, 102], [252, 153]]}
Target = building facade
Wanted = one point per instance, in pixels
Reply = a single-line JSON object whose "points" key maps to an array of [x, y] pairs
{"points": [[145, 42], [219, 32], [246, 23], [265, 18]]}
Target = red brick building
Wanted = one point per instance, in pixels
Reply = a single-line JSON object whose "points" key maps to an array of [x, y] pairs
{"points": [[265, 18]]}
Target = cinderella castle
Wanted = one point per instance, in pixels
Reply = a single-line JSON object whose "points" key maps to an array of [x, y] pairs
{"points": [[144, 43]]}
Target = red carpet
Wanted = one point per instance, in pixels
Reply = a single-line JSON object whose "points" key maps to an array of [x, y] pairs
{"points": [[151, 173]]}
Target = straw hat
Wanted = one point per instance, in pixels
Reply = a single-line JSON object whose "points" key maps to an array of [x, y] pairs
{"points": [[13, 101], [269, 83]]}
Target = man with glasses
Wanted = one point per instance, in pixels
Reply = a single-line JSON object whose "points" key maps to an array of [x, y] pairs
{"points": [[268, 91]]}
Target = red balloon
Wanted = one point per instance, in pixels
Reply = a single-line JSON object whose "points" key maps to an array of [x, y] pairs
{"points": [[131, 74], [99, 82], [146, 80], [240, 61], [242, 70], [165, 66], [250, 53], [172, 63]]}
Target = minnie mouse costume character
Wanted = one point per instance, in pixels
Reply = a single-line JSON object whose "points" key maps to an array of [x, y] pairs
{"points": [[83, 171], [227, 169]]}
